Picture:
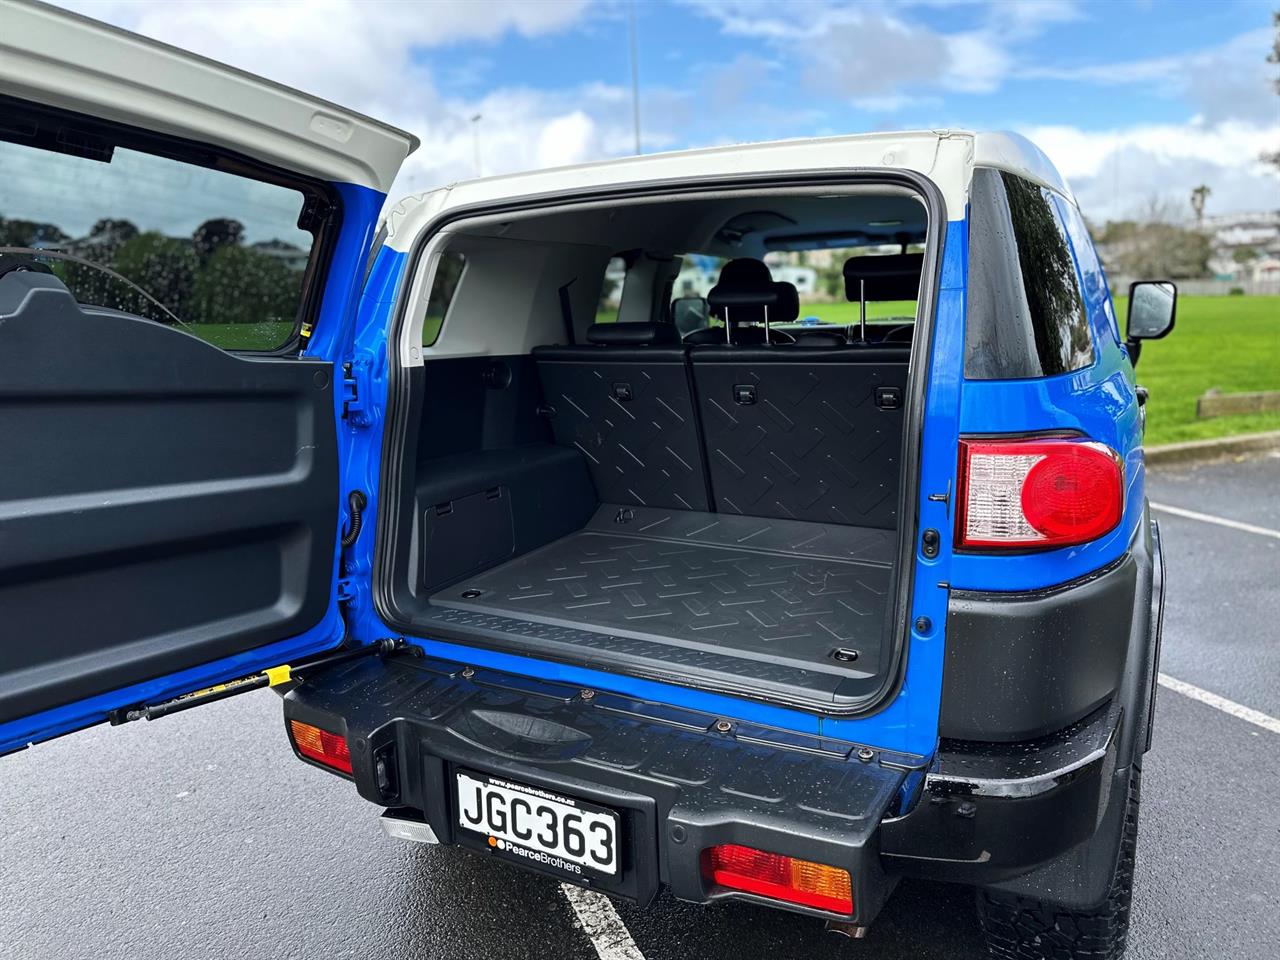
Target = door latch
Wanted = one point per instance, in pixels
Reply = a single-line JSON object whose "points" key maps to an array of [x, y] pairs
{"points": [[355, 392]]}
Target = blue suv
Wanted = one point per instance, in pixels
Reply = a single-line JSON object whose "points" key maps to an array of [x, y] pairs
{"points": [[565, 538]]}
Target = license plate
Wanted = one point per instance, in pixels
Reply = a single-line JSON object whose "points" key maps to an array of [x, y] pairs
{"points": [[539, 826]]}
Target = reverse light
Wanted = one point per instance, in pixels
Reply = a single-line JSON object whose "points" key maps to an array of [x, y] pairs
{"points": [[321, 746], [780, 878], [1039, 492]]}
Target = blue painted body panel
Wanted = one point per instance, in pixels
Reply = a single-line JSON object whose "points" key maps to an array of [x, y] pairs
{"points": [[342, 288]]}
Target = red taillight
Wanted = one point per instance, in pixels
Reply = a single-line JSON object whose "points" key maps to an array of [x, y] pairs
{"points": [[321, 746], [780, 878], [1037, 492]]}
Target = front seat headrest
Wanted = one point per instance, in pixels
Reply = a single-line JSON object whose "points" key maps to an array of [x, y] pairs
{"points": [[745, 272], [632, 334], [895, 277], [746, 288]]}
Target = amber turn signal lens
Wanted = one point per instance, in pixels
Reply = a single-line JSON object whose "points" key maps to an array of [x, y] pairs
{"points": [[321, 746], [781, 878]]}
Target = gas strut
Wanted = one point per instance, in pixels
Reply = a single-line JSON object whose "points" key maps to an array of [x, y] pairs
{"points": [[270, 677]]}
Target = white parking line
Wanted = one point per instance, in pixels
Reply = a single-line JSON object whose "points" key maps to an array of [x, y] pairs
{"points": [[1220, 521], [1249, 714], [600, 921]]}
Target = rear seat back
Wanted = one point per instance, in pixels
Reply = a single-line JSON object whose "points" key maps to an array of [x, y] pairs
{"points": [[809, 434], [626, 402]]}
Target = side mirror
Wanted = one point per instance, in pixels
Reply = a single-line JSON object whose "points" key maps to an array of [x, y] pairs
{"points": [[1152, 307], [690, 314]]}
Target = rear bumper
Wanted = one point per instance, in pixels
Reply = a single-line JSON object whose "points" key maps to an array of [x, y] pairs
{"points": [[679, 784], [990, 812], [978, 814]]}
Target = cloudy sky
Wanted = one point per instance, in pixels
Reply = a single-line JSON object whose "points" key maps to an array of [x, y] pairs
{"points": [[1132, 100]]}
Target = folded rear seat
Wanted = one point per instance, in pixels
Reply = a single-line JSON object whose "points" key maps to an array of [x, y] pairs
{"points": [[807, 433], [624, 399]]}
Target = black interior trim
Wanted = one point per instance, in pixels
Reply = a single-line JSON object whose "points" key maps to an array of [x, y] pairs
{"points": [[175, 504]]}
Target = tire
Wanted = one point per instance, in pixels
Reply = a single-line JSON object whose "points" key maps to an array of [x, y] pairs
{"points": [[1023, 928]]}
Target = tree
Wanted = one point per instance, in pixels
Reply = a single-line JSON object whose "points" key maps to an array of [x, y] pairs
{"points": [[241, 285], [112, 232], [1157, 250], [212, 235], [1244, 254], [1198, 197], [163, 266], [29, 233]]}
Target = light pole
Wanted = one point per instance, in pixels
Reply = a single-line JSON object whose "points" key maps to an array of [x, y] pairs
{"points": [[635, 76], [475, 131]]}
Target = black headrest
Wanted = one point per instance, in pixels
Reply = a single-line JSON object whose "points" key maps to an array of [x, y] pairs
{"points": [[895, 277], [746, 289], [745, 272], [748, 305], [633, 334]]}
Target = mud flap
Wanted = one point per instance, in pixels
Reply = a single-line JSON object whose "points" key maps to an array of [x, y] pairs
{"points": [[680, 782]]}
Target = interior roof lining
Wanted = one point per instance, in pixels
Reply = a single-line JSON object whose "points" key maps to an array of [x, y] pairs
{"points": [[700, 236]]}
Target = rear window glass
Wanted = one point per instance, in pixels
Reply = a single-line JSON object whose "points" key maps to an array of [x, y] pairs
{"points": [[817, 275], [1024, 313], [215, 253], [615, 278], [444, 285]]}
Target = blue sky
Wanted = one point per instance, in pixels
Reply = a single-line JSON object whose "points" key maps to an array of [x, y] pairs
{"points": [[1135, 101]]}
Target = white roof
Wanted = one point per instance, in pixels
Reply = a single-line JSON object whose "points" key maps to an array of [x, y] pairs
{"points": [[947, 157], [60, 59]]}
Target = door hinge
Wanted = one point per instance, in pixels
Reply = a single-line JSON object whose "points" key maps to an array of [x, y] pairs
{"points": [[355, 392]]}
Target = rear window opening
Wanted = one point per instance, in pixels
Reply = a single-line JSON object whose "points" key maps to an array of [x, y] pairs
{"points": [[665, 437]]}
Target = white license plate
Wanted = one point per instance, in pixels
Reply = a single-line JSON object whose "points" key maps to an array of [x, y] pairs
{"points": [[538, 825]]}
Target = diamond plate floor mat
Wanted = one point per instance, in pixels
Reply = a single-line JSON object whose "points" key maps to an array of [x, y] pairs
{"points": [[696, 588]]}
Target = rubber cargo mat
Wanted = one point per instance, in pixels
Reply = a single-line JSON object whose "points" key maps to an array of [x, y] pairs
{"points": [[785, 592]]}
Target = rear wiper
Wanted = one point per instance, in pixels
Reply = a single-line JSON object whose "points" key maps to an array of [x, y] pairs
{"points": [[72, 258]]}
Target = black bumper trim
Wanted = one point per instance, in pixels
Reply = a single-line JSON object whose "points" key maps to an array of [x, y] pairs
{"points": [[991, 811], [681, 782]]}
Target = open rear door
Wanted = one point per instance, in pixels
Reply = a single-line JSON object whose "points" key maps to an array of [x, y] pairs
{"points": [[181, 246]]}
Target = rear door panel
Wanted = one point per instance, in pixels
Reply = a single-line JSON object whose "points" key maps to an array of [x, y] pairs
{"points": [[165, 504], [169, 510]]}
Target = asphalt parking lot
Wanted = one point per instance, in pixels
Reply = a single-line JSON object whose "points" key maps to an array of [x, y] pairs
{"points": [[201, 836]]}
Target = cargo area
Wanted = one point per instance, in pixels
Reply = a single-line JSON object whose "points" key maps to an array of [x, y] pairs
{"points": [[705, 493]]}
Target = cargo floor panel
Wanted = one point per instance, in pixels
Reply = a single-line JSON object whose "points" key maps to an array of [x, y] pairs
{"points": [[757, 602]]}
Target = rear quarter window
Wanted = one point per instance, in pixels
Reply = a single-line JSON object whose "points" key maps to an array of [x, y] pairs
{"points": [[1024, 316], [444, 285], [611, 284]]}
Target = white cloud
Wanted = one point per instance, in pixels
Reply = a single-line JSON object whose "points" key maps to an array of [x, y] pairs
{"points": [[1116, 173], [1228, 81], [870, 51], [890, 103]]}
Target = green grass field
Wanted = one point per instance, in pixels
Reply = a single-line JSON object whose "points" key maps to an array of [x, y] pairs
{"points": [[1232, 343]]}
